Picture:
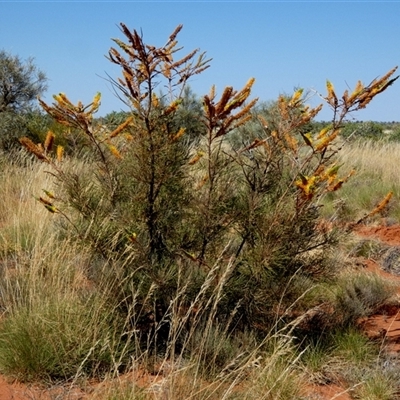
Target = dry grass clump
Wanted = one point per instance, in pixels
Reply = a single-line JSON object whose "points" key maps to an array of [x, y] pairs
{"points": [[376, 175]]}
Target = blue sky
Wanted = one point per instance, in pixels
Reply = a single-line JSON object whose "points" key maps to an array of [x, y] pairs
{"points": [[282, 44]]}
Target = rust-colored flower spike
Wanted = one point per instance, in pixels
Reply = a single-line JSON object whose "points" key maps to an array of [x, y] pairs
{"points": [[220, 118], [375, 87], [382, 204], [142, 63], [34, 149], [196, 158], [66, 113], [180, 133]]}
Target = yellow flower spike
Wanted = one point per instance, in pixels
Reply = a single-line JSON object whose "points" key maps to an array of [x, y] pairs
{"points": [[50, 195], [52, 209], [295, 98], [64, 98], [97, 97], [154, 100], [132, 237], [60, 152], [307, 185], [324, 131], [332, 99], [95, 104], [333, 169]]}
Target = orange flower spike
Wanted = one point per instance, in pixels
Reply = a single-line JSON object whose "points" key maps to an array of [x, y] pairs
{"points": [[196, 158], [222, 104], [48, 143], [180, 133], [45, 201], [211, 95], [345, 97], [336, 186], [172, 107], [283, 108], [115, 151], [263, 121], [202, 182], [382, 204], [34, 149]]}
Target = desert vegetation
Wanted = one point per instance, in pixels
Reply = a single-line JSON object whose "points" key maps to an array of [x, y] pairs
{"points": [[203, 242]]}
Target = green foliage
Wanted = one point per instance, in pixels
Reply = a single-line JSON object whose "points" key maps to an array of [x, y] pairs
{"points": [[20, 82], [363, 130]]}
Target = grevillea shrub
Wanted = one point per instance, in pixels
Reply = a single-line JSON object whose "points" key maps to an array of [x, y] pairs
{"points": [[172, 216]]}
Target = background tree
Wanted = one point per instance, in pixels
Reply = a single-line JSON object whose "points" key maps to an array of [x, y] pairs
{"points": [[20, 83]]}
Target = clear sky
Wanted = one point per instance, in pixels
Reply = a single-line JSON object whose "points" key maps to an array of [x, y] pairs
{"points": [[283, 44]]}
